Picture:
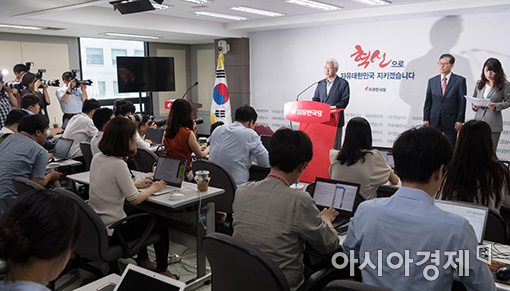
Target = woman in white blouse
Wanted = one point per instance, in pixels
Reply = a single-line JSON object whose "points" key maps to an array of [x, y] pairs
{"points": [[111, 185], [357, 162], [494, 86]]}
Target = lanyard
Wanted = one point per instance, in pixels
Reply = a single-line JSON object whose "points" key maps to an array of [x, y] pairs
{"points": [[27, 135], [279, 178]]}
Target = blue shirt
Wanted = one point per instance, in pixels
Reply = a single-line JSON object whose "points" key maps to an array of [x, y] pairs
{"points": [[74, 104], [21, 286], [20, 156], [409, 220], [233, 146]]}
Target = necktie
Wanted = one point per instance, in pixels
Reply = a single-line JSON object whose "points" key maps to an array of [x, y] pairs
{"points": [[443, 85]]}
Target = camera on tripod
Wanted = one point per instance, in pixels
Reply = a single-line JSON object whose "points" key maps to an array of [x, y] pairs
{"points": [[79, 82]]}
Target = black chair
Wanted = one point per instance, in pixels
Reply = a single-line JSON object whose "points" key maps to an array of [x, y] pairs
{"points": [[386, 191], [87, 154], [348, 285], [495, 228], [310, 188], [236, 266], [220, 179], [24, 185], [144, 160], [93, 244]]}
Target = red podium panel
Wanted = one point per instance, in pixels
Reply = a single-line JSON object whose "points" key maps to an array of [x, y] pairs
{"points": [[320, 122]]}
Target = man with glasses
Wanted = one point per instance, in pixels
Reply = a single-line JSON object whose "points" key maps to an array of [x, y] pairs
{"points": [[333, 90], [445, 105]]}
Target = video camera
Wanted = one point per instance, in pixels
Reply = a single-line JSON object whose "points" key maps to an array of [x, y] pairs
{"points": [[79, 82]]}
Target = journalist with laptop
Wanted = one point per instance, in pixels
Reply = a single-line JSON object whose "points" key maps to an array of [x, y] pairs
{"points": [[409, 223]]}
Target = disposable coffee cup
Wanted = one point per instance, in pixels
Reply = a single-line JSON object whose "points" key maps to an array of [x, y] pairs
{"points": [[202, 179]]}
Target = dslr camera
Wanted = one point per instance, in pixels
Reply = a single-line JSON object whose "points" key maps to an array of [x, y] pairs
{"points": [[79, 82], [52, 83], [11, 85]]}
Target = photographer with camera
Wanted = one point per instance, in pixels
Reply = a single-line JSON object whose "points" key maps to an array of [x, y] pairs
{"points": [[71, 96], [32, 85], [7, 101], [19, 70]]}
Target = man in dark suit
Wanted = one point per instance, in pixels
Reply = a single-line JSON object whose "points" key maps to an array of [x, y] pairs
{"points": [[445, 105], [334, 91]]}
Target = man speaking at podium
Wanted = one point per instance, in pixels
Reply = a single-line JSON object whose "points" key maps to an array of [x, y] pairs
{"points": [[334, 91]]}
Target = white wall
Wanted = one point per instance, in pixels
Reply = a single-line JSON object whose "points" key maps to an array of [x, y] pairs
{"points": [[54, 57], [285, 62]]}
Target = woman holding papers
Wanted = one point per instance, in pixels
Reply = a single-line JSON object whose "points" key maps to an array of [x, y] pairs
{"points": [[494, 86], [474, 173]]}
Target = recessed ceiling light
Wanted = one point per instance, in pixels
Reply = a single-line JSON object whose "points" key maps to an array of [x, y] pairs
{"points": [[21, 27], [131, 35], [256, 11], [219, 15], [374, 2], [314, 4]]}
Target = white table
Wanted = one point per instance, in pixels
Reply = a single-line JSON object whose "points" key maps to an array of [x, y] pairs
{"points": [[94, 286], [163, 205]]}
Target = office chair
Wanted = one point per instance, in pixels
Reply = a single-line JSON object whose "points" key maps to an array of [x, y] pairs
{"points": [[220, 179], [386, 191], [496, 228], [87, 154], [24, 185], [144, 160], [348, 285], [236, 266], [310, 188], [92, 243]]}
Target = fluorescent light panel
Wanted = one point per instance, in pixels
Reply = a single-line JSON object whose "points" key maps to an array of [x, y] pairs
{"points": [[197, 1], [219, 15], [314, 4], [21, 27], [256, 11], [130, 35], [374, 2]]}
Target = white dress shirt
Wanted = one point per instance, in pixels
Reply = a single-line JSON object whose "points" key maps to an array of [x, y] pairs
{"points": [[80, 129]]}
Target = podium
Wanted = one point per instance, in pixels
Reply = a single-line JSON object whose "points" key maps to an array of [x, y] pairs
{"points": [[320, 122]]}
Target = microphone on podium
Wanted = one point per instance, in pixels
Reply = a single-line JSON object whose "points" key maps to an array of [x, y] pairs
{"points": [[300, 93], [196, 83]]}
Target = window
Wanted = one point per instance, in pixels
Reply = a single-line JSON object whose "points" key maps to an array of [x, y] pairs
{"points": [[118, 53], [115, 88], [95, 56], [139, 53], [101, 86]]}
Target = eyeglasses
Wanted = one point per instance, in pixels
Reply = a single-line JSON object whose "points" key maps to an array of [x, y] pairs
{"points": [[443, 64]]}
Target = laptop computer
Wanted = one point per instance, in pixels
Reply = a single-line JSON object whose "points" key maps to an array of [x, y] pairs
{"points": [[476, 215], [61, 149], [172, 171], [155, 135], [137, 278], [342, 196], [387, 154]]}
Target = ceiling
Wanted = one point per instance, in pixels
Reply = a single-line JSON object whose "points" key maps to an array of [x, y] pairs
{"points": [[179, 24]]}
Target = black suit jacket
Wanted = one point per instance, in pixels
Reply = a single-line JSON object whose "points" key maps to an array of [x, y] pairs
{"points": [[338, 95], [449, 108]]}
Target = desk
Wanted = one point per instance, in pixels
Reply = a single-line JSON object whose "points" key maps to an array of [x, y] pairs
{"points": [[63, 163], [163, 206], [93, 286]]}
